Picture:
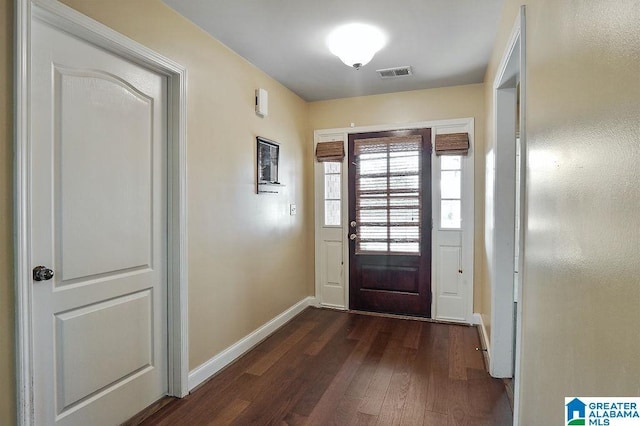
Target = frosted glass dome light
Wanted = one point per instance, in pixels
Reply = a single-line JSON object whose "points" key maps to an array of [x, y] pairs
{"points": [[355, 44]]}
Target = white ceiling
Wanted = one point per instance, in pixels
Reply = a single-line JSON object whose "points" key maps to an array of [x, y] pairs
{"points": [[446, 42]]}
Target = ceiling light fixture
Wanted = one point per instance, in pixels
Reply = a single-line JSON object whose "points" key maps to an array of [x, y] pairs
{"points": [[355, 44]]}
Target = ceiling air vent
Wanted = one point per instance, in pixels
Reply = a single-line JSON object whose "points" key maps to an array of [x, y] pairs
{"points": [[394, 72]]}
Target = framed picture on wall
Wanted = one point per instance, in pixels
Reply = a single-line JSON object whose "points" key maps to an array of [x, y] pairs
{"points": [[268, 154]]}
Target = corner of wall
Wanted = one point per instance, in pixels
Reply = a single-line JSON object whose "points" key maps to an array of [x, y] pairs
{"points": [[208, 369], [484, 339]]}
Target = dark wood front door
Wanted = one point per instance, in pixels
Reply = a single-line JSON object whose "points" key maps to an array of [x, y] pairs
{"points": [[390, 222]]}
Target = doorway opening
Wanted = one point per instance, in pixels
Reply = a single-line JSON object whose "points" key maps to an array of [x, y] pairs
{"points": [[505, 204], [450, 223]]}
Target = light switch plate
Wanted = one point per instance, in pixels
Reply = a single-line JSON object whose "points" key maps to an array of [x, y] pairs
{"points": [[292, 209]]}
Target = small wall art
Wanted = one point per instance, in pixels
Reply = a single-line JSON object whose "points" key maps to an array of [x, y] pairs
{"points": [[268, 155]]}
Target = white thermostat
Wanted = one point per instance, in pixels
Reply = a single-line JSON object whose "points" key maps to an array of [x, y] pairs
{"points": [[262, 102]]}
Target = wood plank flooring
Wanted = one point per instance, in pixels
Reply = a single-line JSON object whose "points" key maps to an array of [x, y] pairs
{"points": [[337, 368]]}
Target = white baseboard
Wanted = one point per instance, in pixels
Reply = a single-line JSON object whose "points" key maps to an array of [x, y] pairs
{"points": [[315, 302], [484, 341], [330, 306], [203, 372]]}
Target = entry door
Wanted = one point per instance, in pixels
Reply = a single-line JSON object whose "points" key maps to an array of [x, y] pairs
{"points": [[98, 213], [390, 222]]}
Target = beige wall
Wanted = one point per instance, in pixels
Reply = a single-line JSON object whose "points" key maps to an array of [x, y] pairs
{"points": [[420, 105], [581, 288], [7, 384]]}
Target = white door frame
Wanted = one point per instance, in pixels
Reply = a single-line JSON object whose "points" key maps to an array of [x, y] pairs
{"points": [[501, 203], [462, 124], [521, 19], [79, 25]]}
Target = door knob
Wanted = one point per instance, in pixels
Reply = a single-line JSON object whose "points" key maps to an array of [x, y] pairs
{"points": [[353, 237], [42, 273], [353, 224]]}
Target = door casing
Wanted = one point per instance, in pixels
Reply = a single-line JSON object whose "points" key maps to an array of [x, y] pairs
{"points": [[436, 126], [505, 356], [67, 19]]}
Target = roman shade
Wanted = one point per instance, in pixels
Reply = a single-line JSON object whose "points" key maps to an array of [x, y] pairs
{"points": [[452, 144], [329, 151]]}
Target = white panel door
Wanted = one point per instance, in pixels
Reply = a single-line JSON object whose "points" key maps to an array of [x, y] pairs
{"points": [[99, 221]]}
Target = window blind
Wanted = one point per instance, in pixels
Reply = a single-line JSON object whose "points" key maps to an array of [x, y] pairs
{"points": [[329, 151], [388, 195], [452, 144]]}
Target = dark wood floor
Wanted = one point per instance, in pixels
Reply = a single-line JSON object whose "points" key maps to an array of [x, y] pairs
{"points": [[327, 367]]}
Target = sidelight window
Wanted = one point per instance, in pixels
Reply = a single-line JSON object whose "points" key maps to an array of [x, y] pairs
{"points": [[332, 185], [388, 195], [450, 191]]}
